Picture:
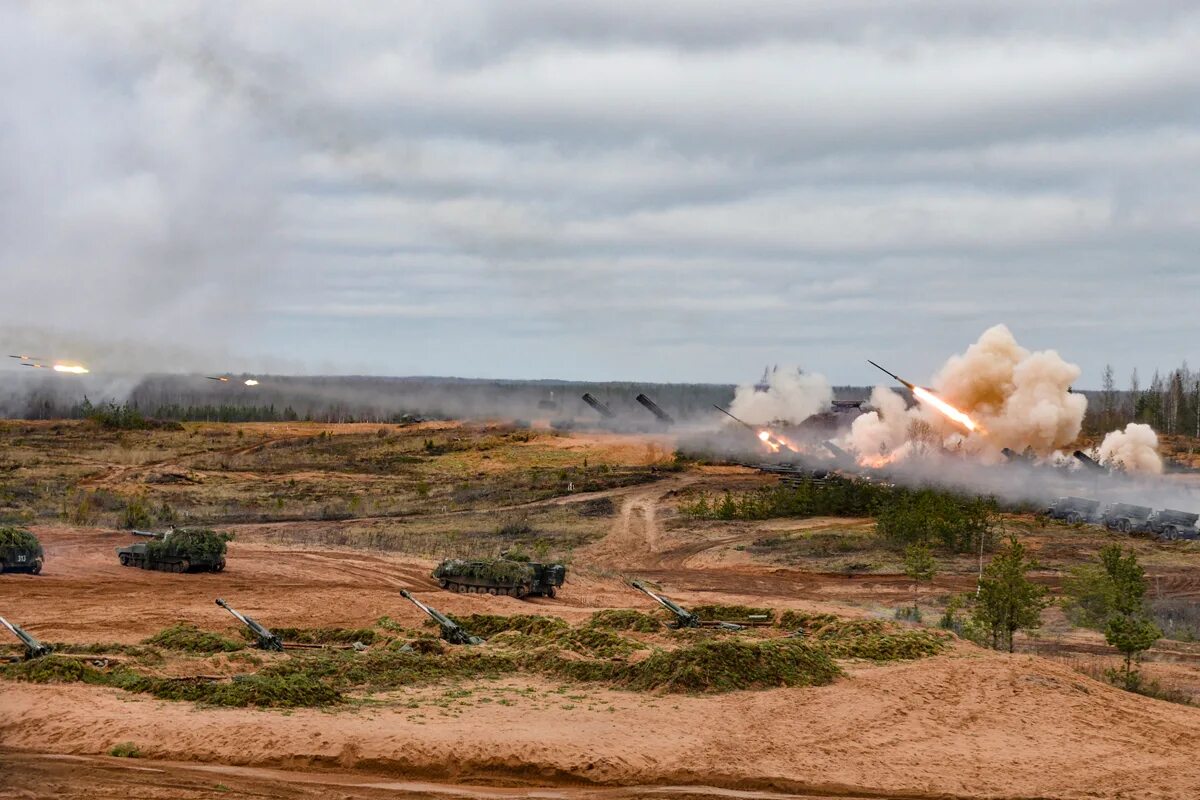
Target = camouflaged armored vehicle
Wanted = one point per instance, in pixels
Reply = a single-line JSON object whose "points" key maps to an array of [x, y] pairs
{"points": [[510, 576], [194, 550], [20, 551]]}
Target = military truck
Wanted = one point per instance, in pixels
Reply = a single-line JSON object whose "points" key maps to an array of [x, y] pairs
{"points": [[504, 575], [188, 550], [1126, 518], [1073, 509], [20, 551], [1172, 524]]}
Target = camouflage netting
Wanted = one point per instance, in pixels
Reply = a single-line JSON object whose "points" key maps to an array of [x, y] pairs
{"points": [[501, 570], [12, 536], [194, 545]]}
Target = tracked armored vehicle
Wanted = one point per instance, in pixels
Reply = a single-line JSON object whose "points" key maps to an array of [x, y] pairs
{"points": [[192, 550], [20, 551], [500, 576]]}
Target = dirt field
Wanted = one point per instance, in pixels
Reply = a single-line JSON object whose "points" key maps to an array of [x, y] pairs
{"points": [[969, 723]]}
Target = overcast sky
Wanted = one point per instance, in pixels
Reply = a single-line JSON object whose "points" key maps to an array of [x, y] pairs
{"points": [[678, 191]]}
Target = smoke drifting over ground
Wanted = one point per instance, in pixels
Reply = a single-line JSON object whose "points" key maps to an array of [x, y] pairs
{"points": [[790, 396], [1134, 449]]}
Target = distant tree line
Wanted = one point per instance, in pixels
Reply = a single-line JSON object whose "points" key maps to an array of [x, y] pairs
{"points": [[1170, 403]]}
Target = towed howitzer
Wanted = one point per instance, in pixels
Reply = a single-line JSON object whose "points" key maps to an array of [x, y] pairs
{"points": [[452, 632], [33, 648], [683, 617], [265, 640]]}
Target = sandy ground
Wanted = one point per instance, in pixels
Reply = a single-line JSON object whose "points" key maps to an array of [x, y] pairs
{"points": [[969, 724]]}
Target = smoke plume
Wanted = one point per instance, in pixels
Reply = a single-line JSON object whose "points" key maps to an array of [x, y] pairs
{"points": [[791, 396], [1134, 449], [882, 433]]}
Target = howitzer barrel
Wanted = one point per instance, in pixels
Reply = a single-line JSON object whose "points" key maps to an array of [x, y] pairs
{"points": [[600, 407], [732, 417], [33, 648], [148, 534], [266, 639], [653, 408], [1087, 460], [685, 617], [451, 631]]}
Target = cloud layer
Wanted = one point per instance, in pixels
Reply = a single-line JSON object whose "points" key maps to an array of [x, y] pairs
{"points": [[602, 189]]}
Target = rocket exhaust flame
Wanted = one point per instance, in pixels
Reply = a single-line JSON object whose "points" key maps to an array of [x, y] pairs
{"points": [[73, 369], [251, 382], [947, 410], [925, 396]]}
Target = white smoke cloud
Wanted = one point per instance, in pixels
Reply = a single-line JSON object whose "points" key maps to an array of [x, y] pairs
{"points": [[883, 432], [792, 396], [1134, 449]]}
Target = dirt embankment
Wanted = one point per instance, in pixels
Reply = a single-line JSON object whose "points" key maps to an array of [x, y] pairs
{"points": [[968, 724]]}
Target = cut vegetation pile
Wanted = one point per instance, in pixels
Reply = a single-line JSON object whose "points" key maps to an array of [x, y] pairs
{"points": [[190, 639], [12, 536], [196, 544], [688, 661]]}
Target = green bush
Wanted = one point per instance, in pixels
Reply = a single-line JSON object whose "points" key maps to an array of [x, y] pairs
{"points": [[930, 516], [125, 750], [136, 514]]}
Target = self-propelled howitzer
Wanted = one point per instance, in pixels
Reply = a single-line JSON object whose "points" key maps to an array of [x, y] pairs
{"points": [[264, 639], [683, 617], [33, 648], [452, 632]]}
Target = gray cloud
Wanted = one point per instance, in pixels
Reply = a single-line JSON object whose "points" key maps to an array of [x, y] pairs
{"points": [[678, 191]]}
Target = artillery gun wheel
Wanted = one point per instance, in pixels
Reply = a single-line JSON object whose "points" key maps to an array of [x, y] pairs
{"points": [[492, 590], [445, 584], [463, 588], [36, 569], [124, 559], [1072, 519]]}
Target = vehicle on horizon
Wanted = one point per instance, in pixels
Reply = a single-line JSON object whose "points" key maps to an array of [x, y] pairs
{"points": [[1074, 509], [20, 550], [506, 575], [177, 550]]}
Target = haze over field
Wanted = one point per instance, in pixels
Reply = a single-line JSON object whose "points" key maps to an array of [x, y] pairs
{"points": [[597, 190]]}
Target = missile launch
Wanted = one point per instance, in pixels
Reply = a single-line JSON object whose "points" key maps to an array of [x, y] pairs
{"points": [[893, 375], [927, 397]]}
